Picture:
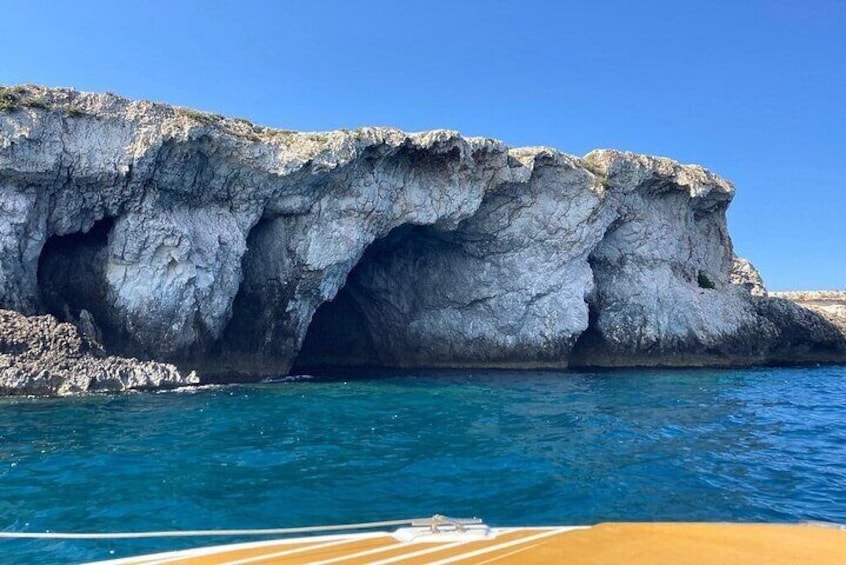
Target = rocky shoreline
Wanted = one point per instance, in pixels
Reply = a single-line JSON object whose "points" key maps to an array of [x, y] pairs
{"points": [[40, 356], [43, 357], [210, 243]]}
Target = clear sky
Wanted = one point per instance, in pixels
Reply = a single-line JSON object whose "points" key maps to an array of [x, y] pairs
{"points": [[753, 89]]}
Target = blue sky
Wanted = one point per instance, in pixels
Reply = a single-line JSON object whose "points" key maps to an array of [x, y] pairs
{"points": [[753, 89]]}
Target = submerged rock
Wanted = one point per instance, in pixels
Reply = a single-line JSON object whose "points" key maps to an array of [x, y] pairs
{"points": [[238, 249]]}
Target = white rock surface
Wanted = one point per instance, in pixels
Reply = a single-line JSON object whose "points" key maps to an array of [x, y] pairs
{"points": [[171, 277], [744, 274]]}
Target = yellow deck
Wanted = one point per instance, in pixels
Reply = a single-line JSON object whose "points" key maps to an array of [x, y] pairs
{"points": [[623, 543]]}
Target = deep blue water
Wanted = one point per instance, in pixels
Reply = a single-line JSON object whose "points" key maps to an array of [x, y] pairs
{"points": [[527, 448]]}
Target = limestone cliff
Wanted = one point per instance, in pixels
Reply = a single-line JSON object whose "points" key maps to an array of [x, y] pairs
{"points": [[239, 249]]}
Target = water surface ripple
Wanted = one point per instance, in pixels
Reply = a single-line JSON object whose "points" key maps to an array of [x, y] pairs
{"points": [[528, 448]]}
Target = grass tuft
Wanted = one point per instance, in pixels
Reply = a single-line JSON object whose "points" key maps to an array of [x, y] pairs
{"points": [[12, 98], [8, 99], [202, 117], [34, 102]]}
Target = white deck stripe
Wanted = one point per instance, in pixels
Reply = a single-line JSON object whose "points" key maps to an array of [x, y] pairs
{"points": [[499, 546], [170, 556], [259, 558], [362, 553], [509, 554], [443, 546], [225, 549], [189, 554], [428, 550]]}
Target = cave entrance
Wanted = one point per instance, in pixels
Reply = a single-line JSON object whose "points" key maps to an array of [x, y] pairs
{"points": [[71, 276], [363, 325]]}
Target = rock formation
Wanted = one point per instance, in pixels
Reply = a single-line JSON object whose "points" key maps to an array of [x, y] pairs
{"points": [[831, 305], [238, 249], [744, 273], [40, 356]]}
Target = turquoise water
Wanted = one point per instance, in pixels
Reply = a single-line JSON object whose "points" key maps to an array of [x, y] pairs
{"points": [[512, 447]]}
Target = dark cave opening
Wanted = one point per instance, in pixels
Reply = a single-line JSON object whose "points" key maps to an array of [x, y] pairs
{"points": [[71, 277], [583, 353], [254, 304], [339, 336], [355, 328], [591, 340]]}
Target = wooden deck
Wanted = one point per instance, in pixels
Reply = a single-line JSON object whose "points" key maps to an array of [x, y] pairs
{"points": [[612, 543]]}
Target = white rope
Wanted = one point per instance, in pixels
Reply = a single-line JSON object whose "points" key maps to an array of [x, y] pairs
{"points": [[207, 533]]}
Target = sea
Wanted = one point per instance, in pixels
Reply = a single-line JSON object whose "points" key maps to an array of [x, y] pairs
{"points": [[511, 447]]}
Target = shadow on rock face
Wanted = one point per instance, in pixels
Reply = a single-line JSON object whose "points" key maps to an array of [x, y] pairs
{"points": [[339, 336], [72, 282], [801, 335], [781, 332], [364, 324]]}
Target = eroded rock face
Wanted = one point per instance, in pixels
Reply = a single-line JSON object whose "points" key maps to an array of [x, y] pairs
{"points": [[218, 241], [504, 287], [171, 277], [829, 304], [744, 274], [662, 268]]}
